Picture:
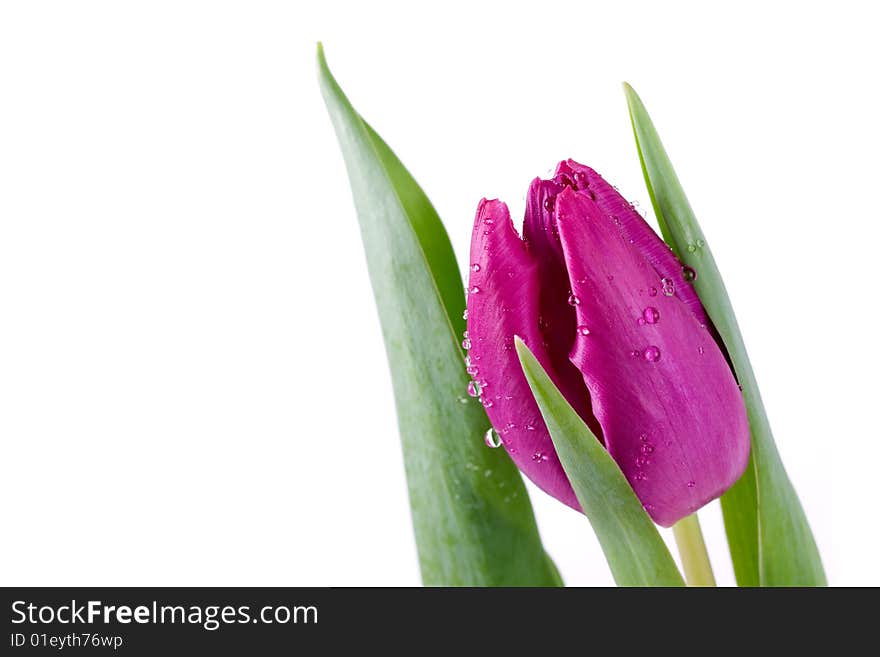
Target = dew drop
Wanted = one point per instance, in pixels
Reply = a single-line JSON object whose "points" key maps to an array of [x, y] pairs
{"points": [[668, 286], [691, 484], [466, 344], [487, 403], [492, 439], [635, 353], [652, 354], [692, 247], [463, 400], [474, 389], [701, 243], [640, 321], [580, 179], [573, 300], [688, 274], [464, 314], [583, 330], [652, 292], [539, 456], [651, 315], [510, 274], [475, 267], [700, 351], [549, 203], [474, 289]]}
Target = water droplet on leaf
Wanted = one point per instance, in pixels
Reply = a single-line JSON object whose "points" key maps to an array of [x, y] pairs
{"points": [[492, 439]]}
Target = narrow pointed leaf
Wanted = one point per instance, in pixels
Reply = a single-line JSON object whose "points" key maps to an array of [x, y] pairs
{"points": [[632, 545], [770, 540], [473, 520]]}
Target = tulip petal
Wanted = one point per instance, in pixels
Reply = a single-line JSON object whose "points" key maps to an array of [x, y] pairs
{"points": [[503, 301], [635, 228], [556, 320], [672, 415]]}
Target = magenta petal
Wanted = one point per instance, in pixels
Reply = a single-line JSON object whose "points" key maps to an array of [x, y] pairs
{"points": [[672, 415], [556, 320], [670, 273], [503, 302]]}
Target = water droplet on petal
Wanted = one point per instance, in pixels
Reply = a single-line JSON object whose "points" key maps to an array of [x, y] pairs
{"points": [[474, 289], [487, 403], [691, 484], [700, 351], [492, 439], [583, 330], [539, 456], [688, 274], [652, 354], [651, 315], [652, 292], [668, 286], [475, 267], [580, 179], [549, 203], [473, 389], [573, 300], [635, 353], [640, 321]]}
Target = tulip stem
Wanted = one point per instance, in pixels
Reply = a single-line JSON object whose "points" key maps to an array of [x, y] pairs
{"points": [[692, 548]]}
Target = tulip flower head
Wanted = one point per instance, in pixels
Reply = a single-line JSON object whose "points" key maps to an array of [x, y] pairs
{"points": [[612, 316]]}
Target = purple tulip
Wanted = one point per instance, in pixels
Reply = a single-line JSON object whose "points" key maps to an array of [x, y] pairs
{"points": [[613, 317]]}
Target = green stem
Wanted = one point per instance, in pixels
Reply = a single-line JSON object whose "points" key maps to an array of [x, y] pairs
{"points": [[694, 558]]}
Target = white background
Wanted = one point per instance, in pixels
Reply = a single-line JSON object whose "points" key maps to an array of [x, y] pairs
{"points": [[193, 387]]}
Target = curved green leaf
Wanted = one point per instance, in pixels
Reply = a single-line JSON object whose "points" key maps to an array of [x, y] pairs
{"points": [[632, 545], [770, 540], [472, 517]]}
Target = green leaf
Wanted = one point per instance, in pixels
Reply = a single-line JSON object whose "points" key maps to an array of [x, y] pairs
{"points": [[770, 540], [632, 545], [473, 521]]}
